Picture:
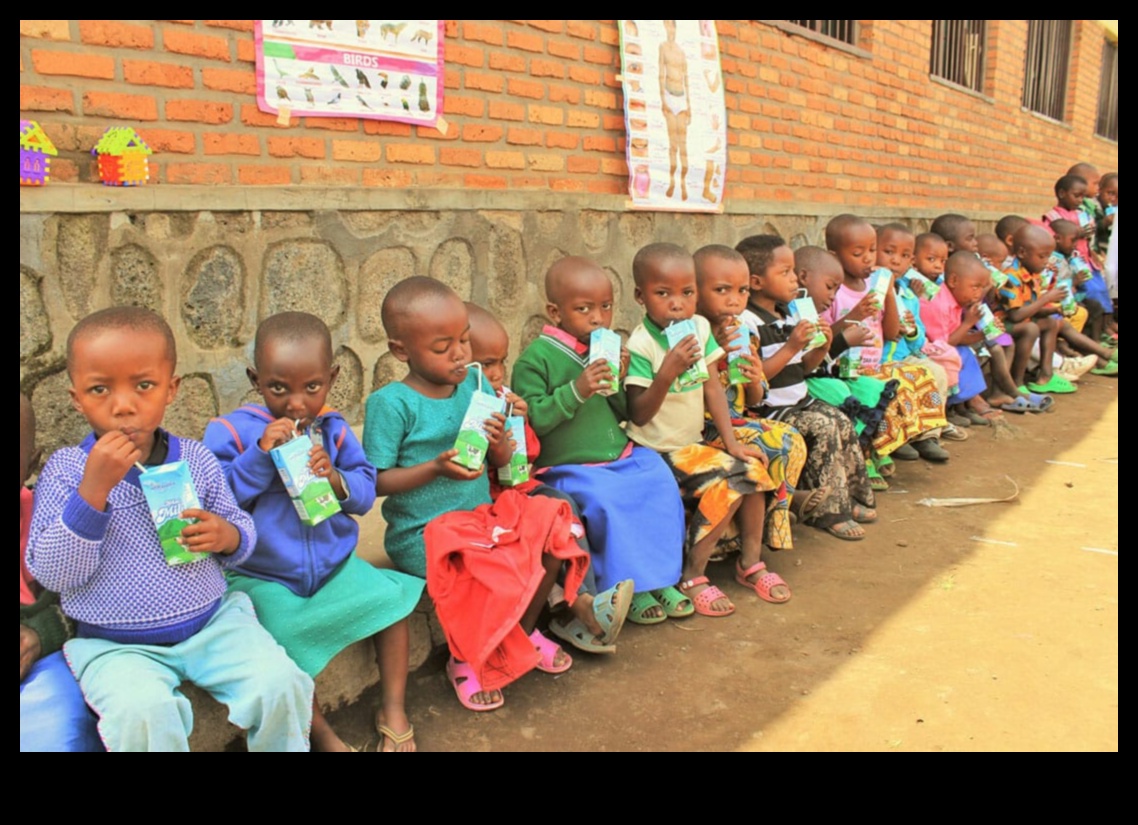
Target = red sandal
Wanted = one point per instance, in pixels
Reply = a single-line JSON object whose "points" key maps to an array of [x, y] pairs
{"points": [[703, 600], [767, 582]]}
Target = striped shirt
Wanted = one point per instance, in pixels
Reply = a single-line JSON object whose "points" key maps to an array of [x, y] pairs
{"points": [[788, 388]]}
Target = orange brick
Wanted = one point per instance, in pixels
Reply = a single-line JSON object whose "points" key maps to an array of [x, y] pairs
{"points": [[200, 111], [569, 51], [433, 133], [610, 35], [43, 99], [546, 163], [564, 94], [116, 33], [454, 156], [246, 53], [526, 182], [504, 110], [546, 68], [485, 182], [243, 81], [586, 165], [181, 41], [387, 177], [600, 143], [330, 175], [198, 173], [549, 115], [149, 73], [614, 166], [526, 88], [386, 127], [477, 133], [586, 120], [554, 26], [293, 147], [505, 62], [464, 55], [451, 180], [476, 30], [252, 116], [168, 140], [483, 81], [523, 137], [264, 175], [333, 124], [505, 160], [363, 151], [584, 29], [230, 143], [561, 140], [597, 54], [608, 186], [410, 153], [525, 41], [236, 25], [114, 104], [451, 78], [583, 74], [75, 64], [458, 105], [46, 30], [566, 185], [604, 100], [66, 170]]}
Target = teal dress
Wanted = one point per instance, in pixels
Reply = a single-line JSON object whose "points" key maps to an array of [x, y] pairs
{"points": [[402, 428]]}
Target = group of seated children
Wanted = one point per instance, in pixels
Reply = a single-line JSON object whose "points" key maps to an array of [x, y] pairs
{"points": [[763, 385]]}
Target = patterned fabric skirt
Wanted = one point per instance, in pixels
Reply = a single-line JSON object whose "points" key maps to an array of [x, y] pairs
{"points": [[917, 410], [786, 455], [711, 481]]}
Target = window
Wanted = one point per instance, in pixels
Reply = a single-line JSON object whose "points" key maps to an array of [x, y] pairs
{"points": [[1107, 124], [844, 31], [958, 52], [1045, 69]]}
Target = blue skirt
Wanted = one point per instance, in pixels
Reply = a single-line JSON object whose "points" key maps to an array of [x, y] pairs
{"points": [[633, 515], [53, 716], [1096, 290], [972, 381]]}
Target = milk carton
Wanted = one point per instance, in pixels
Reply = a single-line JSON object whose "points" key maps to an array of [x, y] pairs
{"points": [[1068, 304], [802, 309], [517, 470], [472, 441], [879, 282], [604, 345], [931, 286], [849, 363], [740, 348], [169, 491], [312, 496], [678, 331], [988, 325]]}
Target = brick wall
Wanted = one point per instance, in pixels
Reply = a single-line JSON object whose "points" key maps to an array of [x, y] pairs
{"points": [[535, 105]]}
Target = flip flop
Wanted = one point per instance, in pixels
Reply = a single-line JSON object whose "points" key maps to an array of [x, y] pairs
{"points": [[548, 650], [1055, 384], [1040, 403], [703, 600], [611, 609], [978, 419], [673, 602], [641, 604], [863, 515], [811, 501], [386, 732], [577, 634], [836, 531], [465, 683], [764, 585], [1020, 406], [885, 466]]}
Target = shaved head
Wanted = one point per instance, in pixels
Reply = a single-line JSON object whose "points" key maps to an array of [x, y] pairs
{"points": [[573, 270], [839, 225], [138, 319], [1083, 170], [1032, 237], [717, 251], [651, 257], [815, 259], [483, 324], [409, 298], [292, 328]]}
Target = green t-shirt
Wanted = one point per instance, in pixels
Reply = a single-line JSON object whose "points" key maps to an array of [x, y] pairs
{"points": [[402, 428]]}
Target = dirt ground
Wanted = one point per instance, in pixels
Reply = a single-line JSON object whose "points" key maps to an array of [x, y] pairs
{"points": [[992, 627]]}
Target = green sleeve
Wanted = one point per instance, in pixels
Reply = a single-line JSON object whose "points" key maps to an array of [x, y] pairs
{"points": [[46, 618], [549, 407]]}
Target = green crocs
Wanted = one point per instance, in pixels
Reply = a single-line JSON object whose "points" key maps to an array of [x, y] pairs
{"points": [[642, 603], [676, 605], [1056, 384]]}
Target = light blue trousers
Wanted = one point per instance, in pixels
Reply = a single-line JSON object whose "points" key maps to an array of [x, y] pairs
{"points": [[134, 688]]}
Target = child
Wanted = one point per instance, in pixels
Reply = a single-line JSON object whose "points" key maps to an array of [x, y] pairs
{"points": [[53, 715], [145, 626], [595, 619], [958, 232], [1066, 265], [666, 406], [724, 283], [310, 589], [1107, 208], [439, 519], [992, 250], [1072, 194], [918, 412], [838, 497], [1006, 228]]}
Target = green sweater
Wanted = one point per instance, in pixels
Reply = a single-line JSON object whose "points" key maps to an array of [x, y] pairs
{"points": [[46, 618], [572, 431]]}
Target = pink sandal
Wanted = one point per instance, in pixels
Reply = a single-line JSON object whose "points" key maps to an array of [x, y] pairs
{"points": [[706, 597], [548, 650], [465, 683], [767, 582]]}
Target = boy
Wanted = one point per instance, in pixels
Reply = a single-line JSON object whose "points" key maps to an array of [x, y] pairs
{"points": [[837, 496], [666, 404], [145, 626], [958, 232], [929, 255], [53, 716], [439, 514], [1006, 228], [595, 619], [310, 589]]}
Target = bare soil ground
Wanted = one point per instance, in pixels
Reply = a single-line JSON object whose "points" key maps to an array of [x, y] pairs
{"points": [[992, 627]]}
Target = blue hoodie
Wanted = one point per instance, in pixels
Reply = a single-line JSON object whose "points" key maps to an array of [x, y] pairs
{"points": [[299, 557]]}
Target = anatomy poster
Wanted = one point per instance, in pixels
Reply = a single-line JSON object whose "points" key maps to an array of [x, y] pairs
{"points": [[674, 114], [386, 69]]}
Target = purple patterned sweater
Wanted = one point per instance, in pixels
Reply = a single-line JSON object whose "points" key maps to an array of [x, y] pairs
{"points": [[108, 567]]}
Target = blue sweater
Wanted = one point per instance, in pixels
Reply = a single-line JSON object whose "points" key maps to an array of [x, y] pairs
{"points": [[289, 552], [108, 566]]}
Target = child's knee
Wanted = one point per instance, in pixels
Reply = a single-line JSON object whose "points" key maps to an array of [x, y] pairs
{"points": [[1028, 331]]}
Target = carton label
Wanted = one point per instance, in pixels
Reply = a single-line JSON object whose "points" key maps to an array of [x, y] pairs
{"points": [[169, 490], [849, 363], [312, 496], [803, 309], [931, 287], [697, 372], [517, 471], [988, 325], [604, 345], [740, 344], [879, 282], [472, 442]]}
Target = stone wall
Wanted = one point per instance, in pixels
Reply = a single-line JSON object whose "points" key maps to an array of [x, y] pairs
{"points": [[215, 275]]}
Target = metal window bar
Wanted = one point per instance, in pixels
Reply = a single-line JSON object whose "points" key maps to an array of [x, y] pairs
{"points": [[1107, 122], [843, 30], [1045, 67], [958, 48]]}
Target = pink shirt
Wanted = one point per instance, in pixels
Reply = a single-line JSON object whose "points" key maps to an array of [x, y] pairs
{"points": [[845, 300], [941, 316]]}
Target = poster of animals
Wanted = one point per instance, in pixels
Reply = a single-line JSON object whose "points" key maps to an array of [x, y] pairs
{"points": [[384, 69], [674, 114]]}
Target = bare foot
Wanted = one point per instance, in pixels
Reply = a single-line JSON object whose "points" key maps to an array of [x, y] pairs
{"points": [[582, 609], [322, 738], [1000, 400], [847, 530], [393, 725]]}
